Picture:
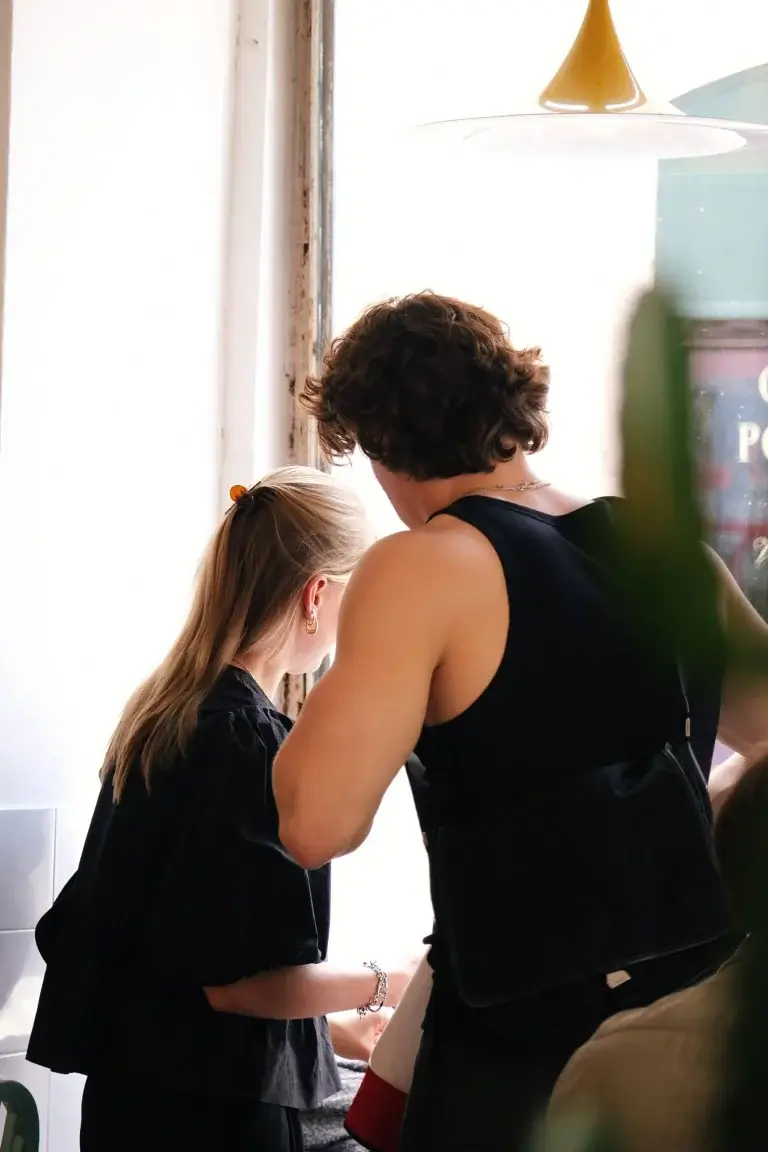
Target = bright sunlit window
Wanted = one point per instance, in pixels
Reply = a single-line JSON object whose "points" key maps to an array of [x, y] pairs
{"points": [[559, 250]]}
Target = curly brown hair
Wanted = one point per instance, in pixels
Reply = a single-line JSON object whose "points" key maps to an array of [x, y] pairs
{"points": [[431, 388]]}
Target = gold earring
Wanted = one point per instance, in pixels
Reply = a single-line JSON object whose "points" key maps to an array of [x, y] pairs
{"points": [[311, 623]]}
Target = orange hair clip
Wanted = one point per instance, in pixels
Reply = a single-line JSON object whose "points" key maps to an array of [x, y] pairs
{"points": [[236, 492]]}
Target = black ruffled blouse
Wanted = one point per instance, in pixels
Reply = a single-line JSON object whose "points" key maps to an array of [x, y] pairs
{"points": [[178, 889]]}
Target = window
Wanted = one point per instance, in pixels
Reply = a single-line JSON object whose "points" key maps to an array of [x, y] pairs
{"points": [[557, 248]]}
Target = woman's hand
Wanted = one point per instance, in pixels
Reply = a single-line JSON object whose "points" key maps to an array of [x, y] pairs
{"points": [[353, 1036]]}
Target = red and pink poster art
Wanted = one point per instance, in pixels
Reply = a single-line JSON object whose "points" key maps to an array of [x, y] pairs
{"points": [[731, 386]]}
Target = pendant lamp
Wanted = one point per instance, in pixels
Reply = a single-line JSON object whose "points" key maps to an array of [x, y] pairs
{"points": [[594, 107]]}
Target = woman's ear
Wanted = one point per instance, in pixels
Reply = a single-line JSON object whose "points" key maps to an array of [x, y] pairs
{"points": [[312, 595]]}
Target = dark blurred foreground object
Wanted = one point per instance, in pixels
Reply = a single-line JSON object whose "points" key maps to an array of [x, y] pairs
{"points": [[685, 1074], [741, 1108], [672, 583], [673, 588]]}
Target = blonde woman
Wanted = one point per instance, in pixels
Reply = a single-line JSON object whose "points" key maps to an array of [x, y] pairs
{"points": [[185, 958]]}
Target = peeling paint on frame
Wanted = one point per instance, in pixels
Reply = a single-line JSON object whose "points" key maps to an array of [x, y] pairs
{"points": [[311, 241]]}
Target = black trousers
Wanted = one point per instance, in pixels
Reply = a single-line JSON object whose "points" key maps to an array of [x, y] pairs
{"points": [[136, 1120], [481, 1082]]}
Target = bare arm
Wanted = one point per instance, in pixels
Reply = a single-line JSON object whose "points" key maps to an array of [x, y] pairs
{"points": [[304, 992], [744, 712], [363, 719], [724, 777]]}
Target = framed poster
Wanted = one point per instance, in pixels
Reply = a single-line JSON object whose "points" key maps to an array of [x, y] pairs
{"points": [[729, 368]]}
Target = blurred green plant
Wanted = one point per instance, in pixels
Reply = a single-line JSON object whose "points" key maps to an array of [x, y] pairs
{"points": [[673, 584], [579, 1131], [669, 576]]}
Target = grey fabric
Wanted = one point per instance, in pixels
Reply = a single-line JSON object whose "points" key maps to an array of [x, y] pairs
{"points": [[324, 1126]]}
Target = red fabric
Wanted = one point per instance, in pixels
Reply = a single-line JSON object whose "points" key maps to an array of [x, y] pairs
{"points": [[375, 1116]]}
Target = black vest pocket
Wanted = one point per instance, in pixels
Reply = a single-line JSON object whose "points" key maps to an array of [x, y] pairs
{"points": [[609, 870]]}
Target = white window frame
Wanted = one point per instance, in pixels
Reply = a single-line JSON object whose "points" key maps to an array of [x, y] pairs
{"points": [[277, 314]]}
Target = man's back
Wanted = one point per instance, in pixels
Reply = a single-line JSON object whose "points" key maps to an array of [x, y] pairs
{"points": [[554, 779], [569, 680]]}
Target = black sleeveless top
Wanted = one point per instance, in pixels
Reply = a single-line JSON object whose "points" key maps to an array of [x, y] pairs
{"points": [[566, 816]]}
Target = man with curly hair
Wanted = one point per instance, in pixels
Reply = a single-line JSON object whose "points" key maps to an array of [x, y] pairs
{"points": [[565, 816]]}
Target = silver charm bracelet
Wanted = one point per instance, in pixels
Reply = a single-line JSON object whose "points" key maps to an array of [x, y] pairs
{"points": [[379, 997]]}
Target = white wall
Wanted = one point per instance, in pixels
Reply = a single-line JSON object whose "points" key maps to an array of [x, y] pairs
{"points": [[110, 422]]}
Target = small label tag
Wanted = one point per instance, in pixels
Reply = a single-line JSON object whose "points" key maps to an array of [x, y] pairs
{"points": [[616, 979]]}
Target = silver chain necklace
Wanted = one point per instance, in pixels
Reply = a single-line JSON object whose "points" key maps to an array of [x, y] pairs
{"points": [[526, 486]]}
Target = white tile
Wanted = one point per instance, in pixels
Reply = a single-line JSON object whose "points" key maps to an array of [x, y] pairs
{"points": [[64, 1113], [37, 1080], [26, 866], [21, 978]]}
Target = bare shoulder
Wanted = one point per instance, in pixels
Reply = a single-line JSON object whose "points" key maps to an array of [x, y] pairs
{"points": [[722, 571], [739, 616], [444, 546], [414, 580], [729, 589]]}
